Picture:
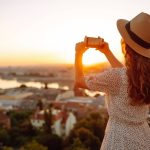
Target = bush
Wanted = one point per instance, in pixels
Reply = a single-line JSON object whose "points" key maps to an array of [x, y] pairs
{"points": [[34, 146], [89, 131]]}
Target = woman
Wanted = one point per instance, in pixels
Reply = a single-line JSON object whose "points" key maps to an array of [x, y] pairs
{"points": [[127, 88]]}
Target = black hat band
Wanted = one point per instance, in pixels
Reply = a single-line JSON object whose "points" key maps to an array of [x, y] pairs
{"points": [[135, 38]]}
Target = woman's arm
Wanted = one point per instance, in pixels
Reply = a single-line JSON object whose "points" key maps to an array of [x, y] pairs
{"points": [[115, 63], [79, 75], [104, 48]]}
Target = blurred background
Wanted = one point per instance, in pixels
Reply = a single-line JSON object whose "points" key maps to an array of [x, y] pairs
{"points": [[38, 107], [45, 31]]}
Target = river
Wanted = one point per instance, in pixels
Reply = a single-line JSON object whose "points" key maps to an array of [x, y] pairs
{"points": [[5, 84]]}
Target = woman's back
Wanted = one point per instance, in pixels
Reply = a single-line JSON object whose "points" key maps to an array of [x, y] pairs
{"points": [[119, 103], [127, 127]]}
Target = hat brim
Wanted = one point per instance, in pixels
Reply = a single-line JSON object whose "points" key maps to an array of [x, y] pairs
{"points": [[121, 23]]}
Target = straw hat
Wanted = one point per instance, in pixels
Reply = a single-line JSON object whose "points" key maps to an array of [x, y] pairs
{"points": [[136, 33]]}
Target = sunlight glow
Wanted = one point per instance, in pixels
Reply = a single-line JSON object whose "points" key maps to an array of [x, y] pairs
{"points": [[93, 56], [46, 31]]}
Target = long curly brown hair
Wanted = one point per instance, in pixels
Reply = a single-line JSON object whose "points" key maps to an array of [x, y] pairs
{"points": [[138, 72]]}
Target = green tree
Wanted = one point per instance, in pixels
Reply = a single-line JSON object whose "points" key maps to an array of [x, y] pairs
{"points": [[95, 122], [34, 146], [21, 131], [7, 148], [4, 136], [77, 145], [17, 138], [23, 86], [53, 142], [87, 138], [48, 120], [40, 104], [19, 117], [89, 130]]}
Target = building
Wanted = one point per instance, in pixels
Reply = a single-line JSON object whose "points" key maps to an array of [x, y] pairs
{"points": [[37, 120], [70, 122], [63, 121]]}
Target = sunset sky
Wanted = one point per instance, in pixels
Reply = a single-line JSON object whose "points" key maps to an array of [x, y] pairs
{"points": [[45, 31]]}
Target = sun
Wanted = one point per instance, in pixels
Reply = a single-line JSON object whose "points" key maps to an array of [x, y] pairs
{"points": [[93, 56]]}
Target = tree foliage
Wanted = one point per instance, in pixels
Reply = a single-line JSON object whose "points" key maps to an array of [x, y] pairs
{"points": [[4, 136], [21, 129], [48, 120], [77, 145], [7, 148], [34, 146], [53, 142], [19, 117], [89, 131]]}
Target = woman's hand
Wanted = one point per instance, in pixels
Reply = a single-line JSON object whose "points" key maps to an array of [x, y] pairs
{"points": [[103, 48], [80, 48]]}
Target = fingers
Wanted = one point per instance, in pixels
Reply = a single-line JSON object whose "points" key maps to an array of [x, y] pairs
{"points": [[81, 44], [80, 47], [102, 45]]}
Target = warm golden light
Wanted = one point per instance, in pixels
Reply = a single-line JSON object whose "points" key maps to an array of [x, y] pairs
{"points": [[93, 56], [32, 37]]}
